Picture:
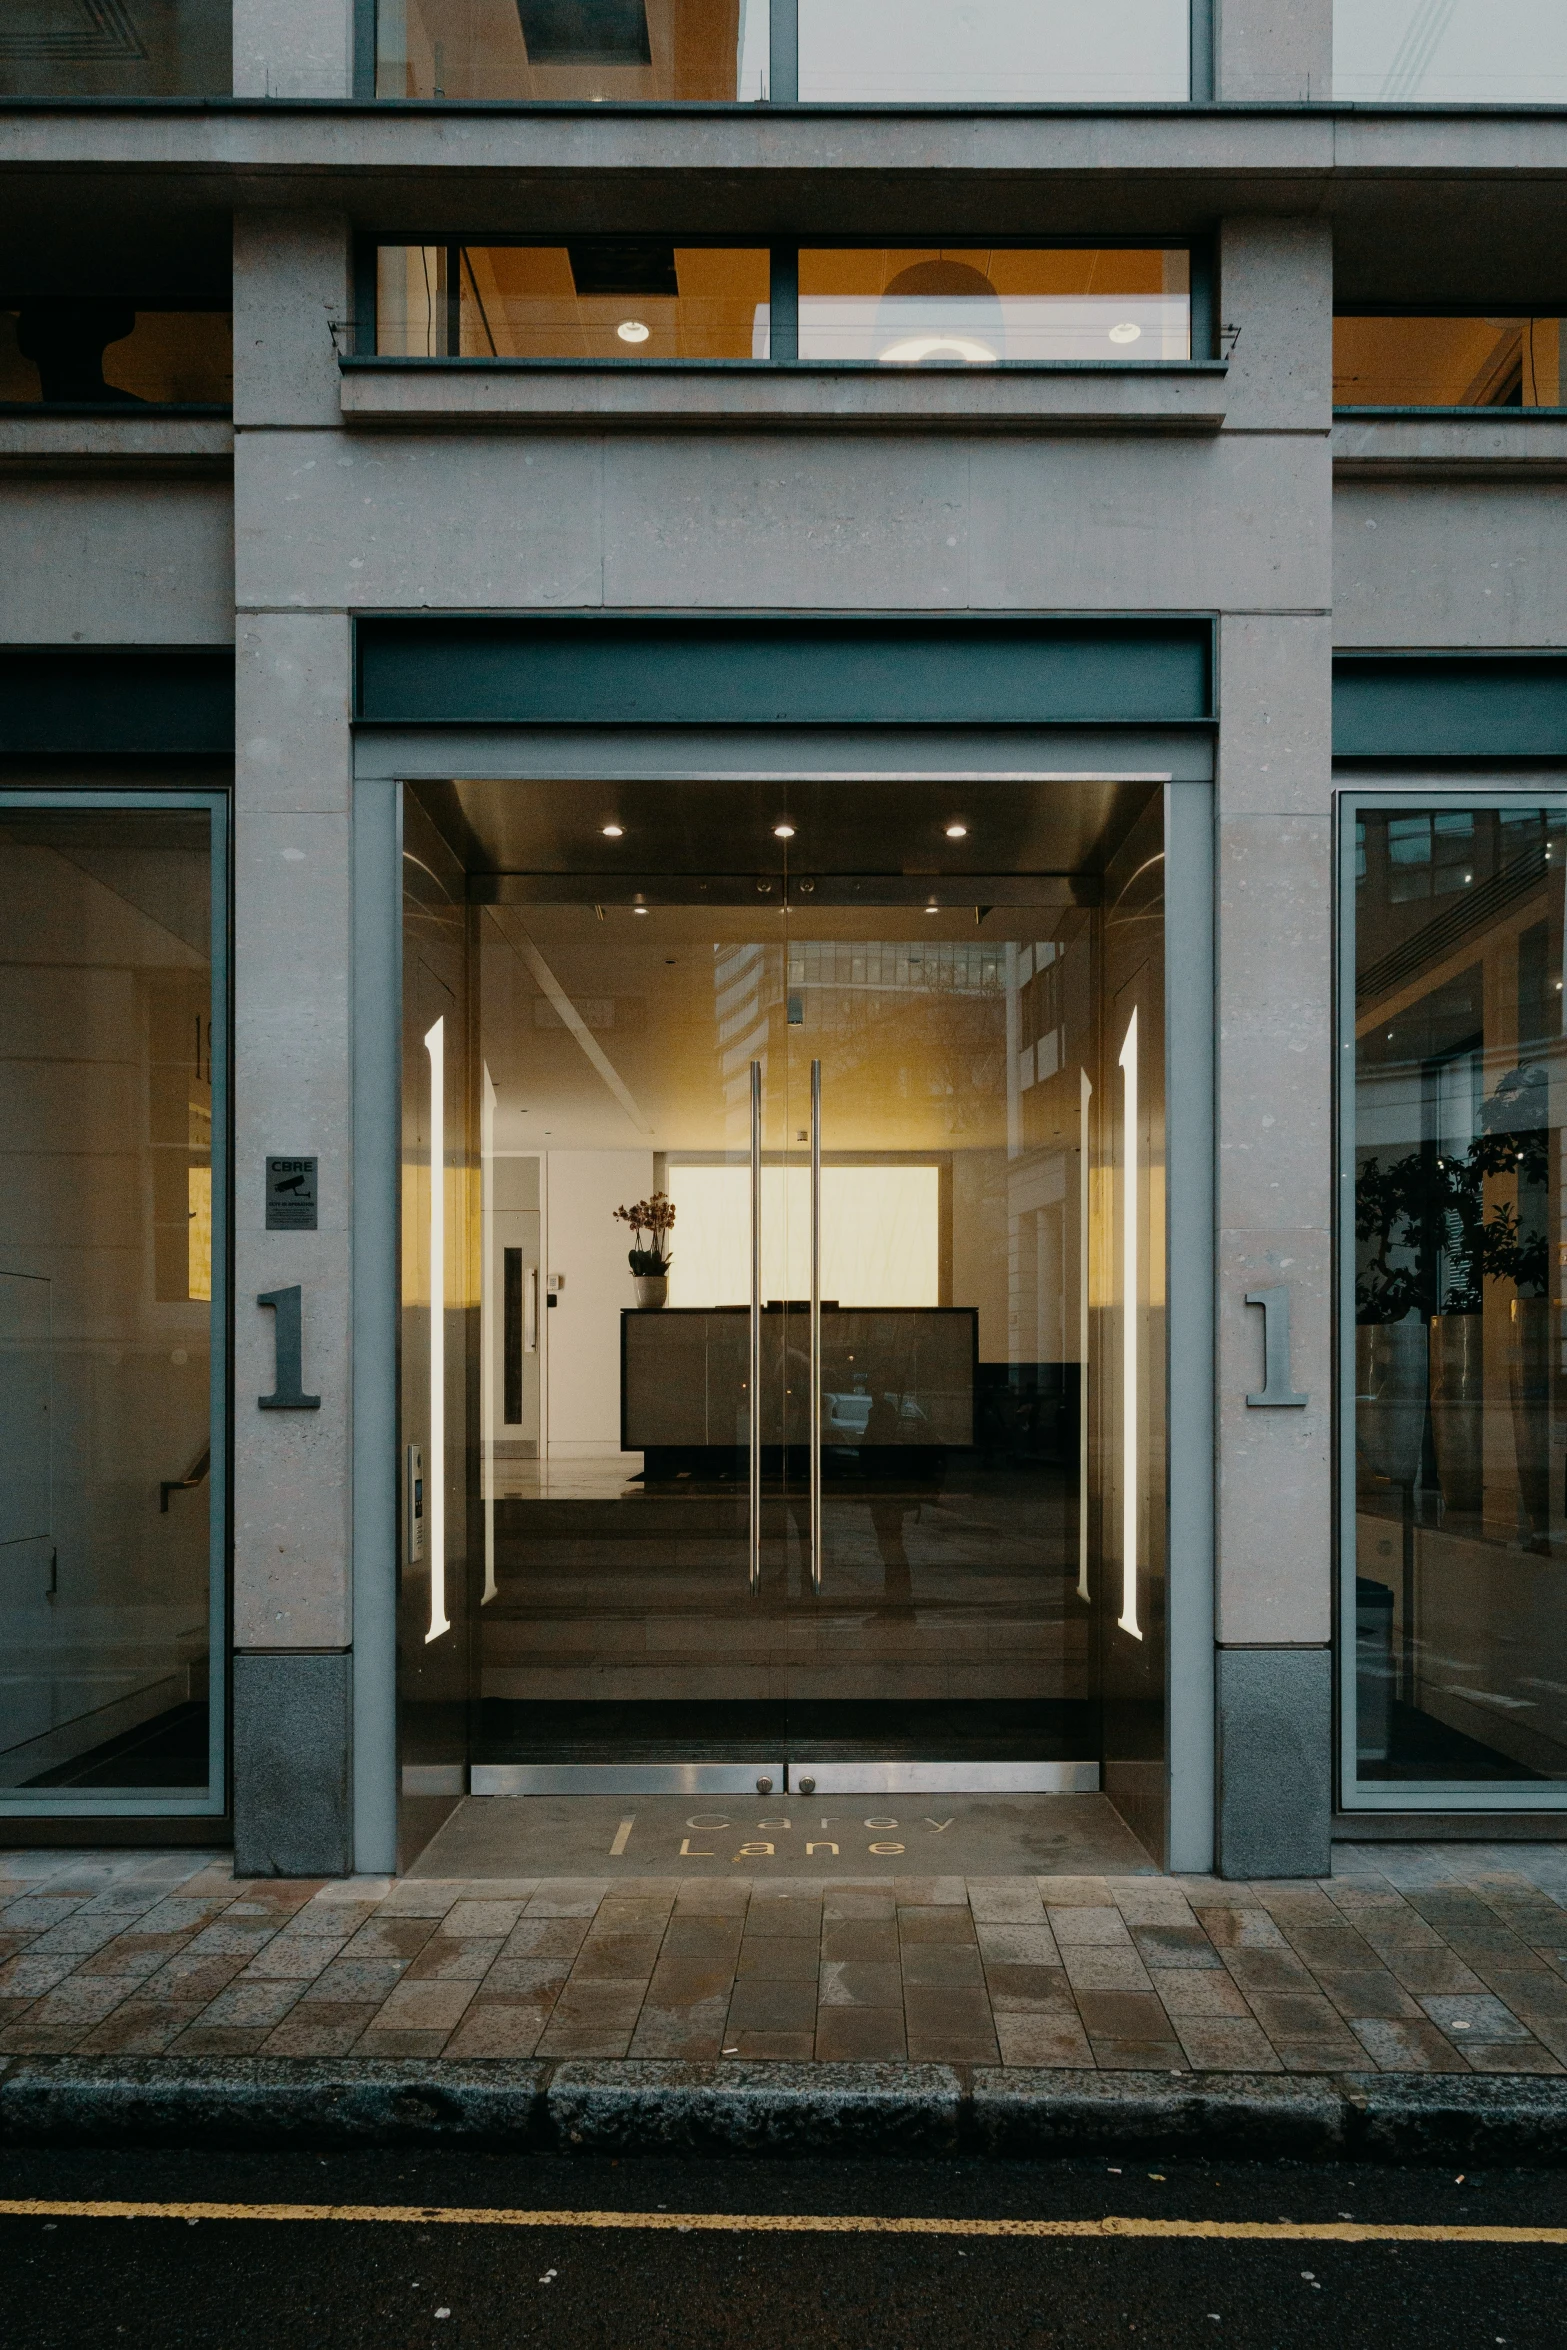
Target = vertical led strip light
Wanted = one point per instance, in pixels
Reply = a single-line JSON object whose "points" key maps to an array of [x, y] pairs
{"points": [[1128, 1619], [487, 1325], [1085, 1096], [435, 1466]]}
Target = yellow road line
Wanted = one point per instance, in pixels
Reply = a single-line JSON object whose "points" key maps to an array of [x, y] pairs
{"points": [[790, 2223]]}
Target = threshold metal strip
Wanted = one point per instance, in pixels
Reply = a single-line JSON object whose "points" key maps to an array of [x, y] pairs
{"points": [[705, 1778], [827, 1778], [944, 1778]]}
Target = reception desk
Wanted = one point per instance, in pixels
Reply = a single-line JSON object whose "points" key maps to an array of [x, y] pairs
{"points": [[892, 1377]]}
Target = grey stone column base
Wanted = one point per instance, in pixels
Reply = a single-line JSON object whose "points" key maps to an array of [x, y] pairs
{"points": [[292, 1803], [775, 2109], [1275, 1762]]}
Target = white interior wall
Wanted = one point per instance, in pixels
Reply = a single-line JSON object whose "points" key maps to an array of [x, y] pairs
{"points": [[587, 1257]]}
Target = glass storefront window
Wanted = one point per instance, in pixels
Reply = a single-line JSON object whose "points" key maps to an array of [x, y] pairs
{"points": [[572, 49], [600, 300], [116, 49], [949, 304], [1464, 52], [95, 352], [1000, 53], [113, 1280], [1448, 362], [1454, 1621]]}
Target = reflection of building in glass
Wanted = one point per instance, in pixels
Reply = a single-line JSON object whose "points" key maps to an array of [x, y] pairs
{"points": [[1461, 1439]]}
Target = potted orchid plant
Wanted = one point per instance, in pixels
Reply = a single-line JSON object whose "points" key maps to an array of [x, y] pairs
{"points": [[651, 1221]]}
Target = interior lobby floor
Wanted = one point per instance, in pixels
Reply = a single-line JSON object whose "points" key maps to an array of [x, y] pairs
{"points": [[1409, 1958]]}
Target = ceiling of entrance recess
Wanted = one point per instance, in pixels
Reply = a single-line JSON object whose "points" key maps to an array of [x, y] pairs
{"points": [[919, 827]]}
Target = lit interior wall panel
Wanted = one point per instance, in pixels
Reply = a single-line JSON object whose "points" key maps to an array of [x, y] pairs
{"points": [[881, 1235], [1130, 1365], [435, 1473]]}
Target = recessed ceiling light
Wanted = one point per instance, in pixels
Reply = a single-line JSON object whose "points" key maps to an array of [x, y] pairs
{"points": [[639, 909], [612, 831], [1126, 332], [783, 832], [957, 832], [632, 330], [933, 909]]}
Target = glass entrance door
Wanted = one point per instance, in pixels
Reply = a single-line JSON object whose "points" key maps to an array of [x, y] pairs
{"points": [[818, 1500], [936, 1178]]}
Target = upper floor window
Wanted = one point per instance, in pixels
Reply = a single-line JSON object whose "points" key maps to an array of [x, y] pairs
{"points": [[888, 52], [633, 298], [996, 53], [116, 49], [101, 353], [598, 300], [1446, 52], [988, 303], [1449, 362], [582, 49]]}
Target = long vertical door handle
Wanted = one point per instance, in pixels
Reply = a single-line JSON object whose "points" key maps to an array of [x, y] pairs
{"points": [[815, 1406], [754, 1368]]}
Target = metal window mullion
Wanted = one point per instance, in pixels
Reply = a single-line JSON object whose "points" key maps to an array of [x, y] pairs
{"points": [[367, 298], [366, 32], [1204, 64], [783, 303], [453, 302], [783, 53]]}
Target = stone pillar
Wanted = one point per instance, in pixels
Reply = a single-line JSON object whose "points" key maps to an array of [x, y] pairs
{"points": [[293, 1627], [1273, 860], [1273, 49], [293, 48]]}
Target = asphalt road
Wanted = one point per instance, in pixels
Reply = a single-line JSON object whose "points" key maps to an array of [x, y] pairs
{"points": [[151, 2283]]}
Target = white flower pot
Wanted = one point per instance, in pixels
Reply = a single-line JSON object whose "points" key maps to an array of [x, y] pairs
{"points": [[652, 1290]]}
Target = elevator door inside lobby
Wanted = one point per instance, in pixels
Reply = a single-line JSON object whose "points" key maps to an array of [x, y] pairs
{"points": [[869, 1494]]}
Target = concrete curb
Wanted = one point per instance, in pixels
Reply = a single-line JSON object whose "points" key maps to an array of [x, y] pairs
{"points": [[776, 2109], [760, 2108]]}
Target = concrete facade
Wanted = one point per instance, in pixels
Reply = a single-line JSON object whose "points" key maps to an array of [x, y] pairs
{"points": [[351, 494]]}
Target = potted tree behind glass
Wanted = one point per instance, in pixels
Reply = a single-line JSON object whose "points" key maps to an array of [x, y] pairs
{"points": [[1427, 1248]]}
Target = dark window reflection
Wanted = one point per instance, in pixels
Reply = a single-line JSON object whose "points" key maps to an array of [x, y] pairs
{"points": [[94, 352], [1461, 1451], [116, 48]]}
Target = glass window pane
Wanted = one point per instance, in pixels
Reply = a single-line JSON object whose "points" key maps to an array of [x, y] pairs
{"points": [[108, 1242], [116, 49], [995, 52], [1469, 51], [945, 305], [110, 352], [607, 49], [1460, 1642], [629, 300], [1447, 362]]}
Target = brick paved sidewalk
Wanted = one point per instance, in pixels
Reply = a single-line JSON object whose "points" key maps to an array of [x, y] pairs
{"points": [[1408, 1959]]}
